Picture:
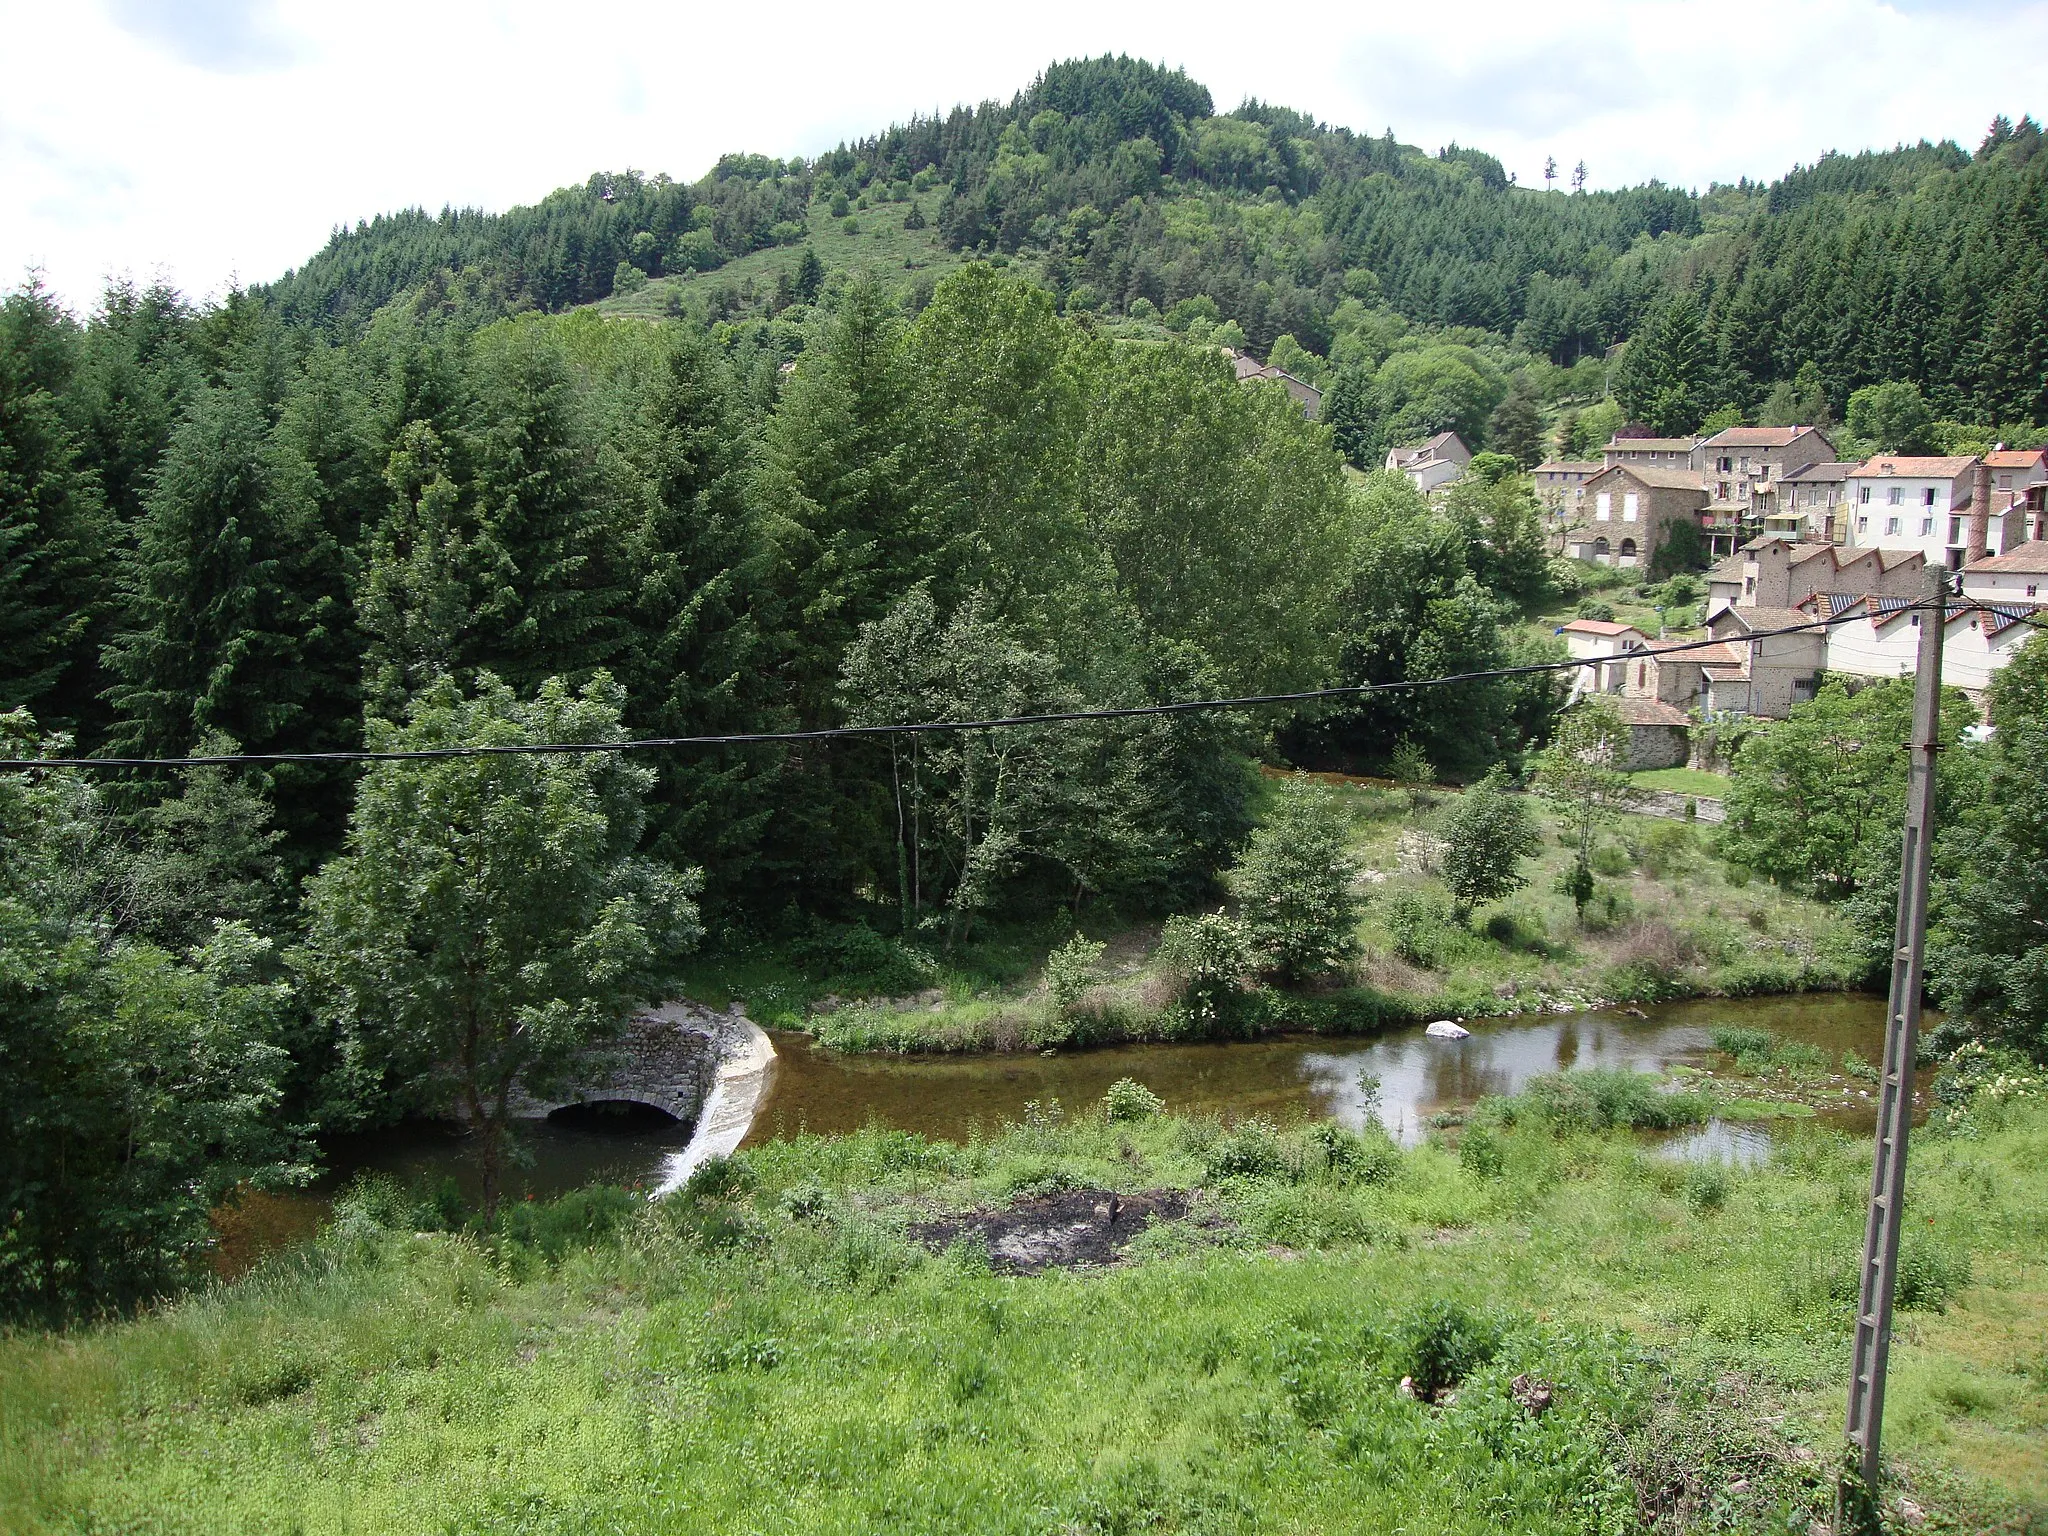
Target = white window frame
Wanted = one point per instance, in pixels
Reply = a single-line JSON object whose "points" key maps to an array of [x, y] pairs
{"points": [[1631, 504], [1603, 507]]}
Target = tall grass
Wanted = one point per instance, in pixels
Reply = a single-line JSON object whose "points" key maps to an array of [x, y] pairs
{"points": [[772, 1350]]}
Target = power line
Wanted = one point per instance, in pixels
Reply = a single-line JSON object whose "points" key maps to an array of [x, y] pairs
{"points": [[839, 732]]}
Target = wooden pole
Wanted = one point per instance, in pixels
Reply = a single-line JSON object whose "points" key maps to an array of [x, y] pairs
{"points": [[1895, 1101]]}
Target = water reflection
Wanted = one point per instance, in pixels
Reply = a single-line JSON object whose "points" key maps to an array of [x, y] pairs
{"points": [[1417, 1077]]}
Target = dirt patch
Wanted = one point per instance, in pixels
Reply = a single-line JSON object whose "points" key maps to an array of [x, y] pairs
{"points": [[1075, 1229]]}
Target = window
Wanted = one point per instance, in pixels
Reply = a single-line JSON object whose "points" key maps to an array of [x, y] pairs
{"points": [[1726, 464], [1642, 671], [1863, 493], [1926, 527], [1628, 550], [1955, 530], [1603, 508], [1891, 525], [2030, 588], [1629, 503], [1600, 549], [2004, 484], [1927, 497], [1749, 586], [1862, 525], [1897, 497]]}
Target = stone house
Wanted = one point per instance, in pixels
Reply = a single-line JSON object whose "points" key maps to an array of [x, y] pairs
{"points": [[1561, 487], [1306, 395], [1746, 464], [1777, 671], [1438, 461], [1810, 498], [1632, 507], [1774, 572], [1649, 452]]}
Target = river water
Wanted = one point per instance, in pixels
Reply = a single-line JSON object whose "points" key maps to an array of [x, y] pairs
{"points": [[819, 1091]]}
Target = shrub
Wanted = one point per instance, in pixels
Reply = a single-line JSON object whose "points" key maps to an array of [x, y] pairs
{"points": [[1479, 1152], [1706, 1186], [1294, 883], [627, 278], [1611, 859], [1667, 848], [1486, 836], [1070, 971], [1213, 958], [1249, 1150], [1442, 1344], [1349, 1157], [1408, 764], [1592, 608], [1419, 927], [1129, 1099], [576, 1220], [1604, 1099]]}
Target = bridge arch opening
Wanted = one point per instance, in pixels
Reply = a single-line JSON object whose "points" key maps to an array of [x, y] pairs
{"points": [[613, 1117]]}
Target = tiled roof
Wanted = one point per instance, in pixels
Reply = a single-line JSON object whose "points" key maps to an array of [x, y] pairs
{"points": [[1728, 570], [1649, 445], [1568, 467], [1997, 618], [1656, 479], [2028, 559], [1601, 627], [1765, 618], [1645, 711], [1755, 437], [2016, 458], [1826, 469], [1892, 559], [1889, 464]]}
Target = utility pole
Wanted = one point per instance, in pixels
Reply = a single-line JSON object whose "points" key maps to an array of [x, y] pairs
{"points": [[1879, 1275]]}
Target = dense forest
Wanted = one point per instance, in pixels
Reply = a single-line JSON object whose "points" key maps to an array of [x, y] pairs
{"points": [[1118, 186], [418, 495]]}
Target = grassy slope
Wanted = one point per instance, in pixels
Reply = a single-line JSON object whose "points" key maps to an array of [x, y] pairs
{"points": [[726, 1365], [1679, 927], [882, 246]]}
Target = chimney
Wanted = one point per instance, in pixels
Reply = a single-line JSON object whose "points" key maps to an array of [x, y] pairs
{"points": [[1977, 540]]}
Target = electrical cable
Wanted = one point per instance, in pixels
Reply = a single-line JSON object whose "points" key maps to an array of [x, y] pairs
{"points": [[835, 733]]}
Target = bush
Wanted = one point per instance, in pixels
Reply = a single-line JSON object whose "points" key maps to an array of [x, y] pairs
{"points": [[1349, 1157], [1129, 1099], [1611, 859], [1294, 885], [1419, 926], [1479, 1152], [854, 955], [1408, 764], [1667, 849], [627, 278], [1592, 608], [1211, 956], [1070, 971], [1442, 1344], [1250, 1150], [576, 1220], [1604, 1099], [1706, 1186]]}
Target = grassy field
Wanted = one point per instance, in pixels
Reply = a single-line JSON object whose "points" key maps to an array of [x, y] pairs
{"points": [[1682, 781], [1668, 920], [791, 1345], [878, 244]]}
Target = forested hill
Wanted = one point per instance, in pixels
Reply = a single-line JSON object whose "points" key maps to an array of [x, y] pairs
{"points": [[1118, 182]]}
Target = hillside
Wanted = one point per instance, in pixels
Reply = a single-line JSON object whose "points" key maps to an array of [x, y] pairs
{"points": [[1118, 185]]}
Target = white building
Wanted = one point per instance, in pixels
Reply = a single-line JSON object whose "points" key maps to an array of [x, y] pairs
{"points": [[1919, 504], [1599, 642], [1430, 464]]}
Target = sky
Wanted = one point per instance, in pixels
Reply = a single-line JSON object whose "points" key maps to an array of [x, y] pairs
{"points": [[210, 141]]}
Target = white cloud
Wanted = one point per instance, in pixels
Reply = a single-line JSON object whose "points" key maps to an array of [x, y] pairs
{"points": [[227, 137]]}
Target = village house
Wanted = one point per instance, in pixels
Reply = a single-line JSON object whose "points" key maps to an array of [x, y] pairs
{"points": [[1650, 452], [1746, 464], [1773, 572], [2016, 469], [1598, 642], [1438, 461], [1561, 487], [1632, 507], [1927, 505], [1306, 395], [1809, 501]]}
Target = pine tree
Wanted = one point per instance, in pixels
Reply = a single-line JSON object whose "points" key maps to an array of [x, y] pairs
{"points": [[54, 532], [226, 612], [553, 600], [1666, 375], [701, 661], [835, 487], [810, 277]]}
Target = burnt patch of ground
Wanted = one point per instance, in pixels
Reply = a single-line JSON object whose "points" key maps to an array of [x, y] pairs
{"points": [[1074, 1229]]}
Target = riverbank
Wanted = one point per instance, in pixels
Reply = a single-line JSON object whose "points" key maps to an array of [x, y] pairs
{"points": [[1668, 920], [834, 1333]]}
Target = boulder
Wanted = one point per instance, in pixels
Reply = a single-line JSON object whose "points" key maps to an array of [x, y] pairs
{"points": [[1444, 1029]]}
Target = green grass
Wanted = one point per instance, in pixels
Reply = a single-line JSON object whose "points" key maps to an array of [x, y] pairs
{"points": [[882, 247], [770, 1352], [1682, 781], [1667, 921]]}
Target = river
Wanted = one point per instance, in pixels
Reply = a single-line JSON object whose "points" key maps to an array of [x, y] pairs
{"points": [[820, 1091]]}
